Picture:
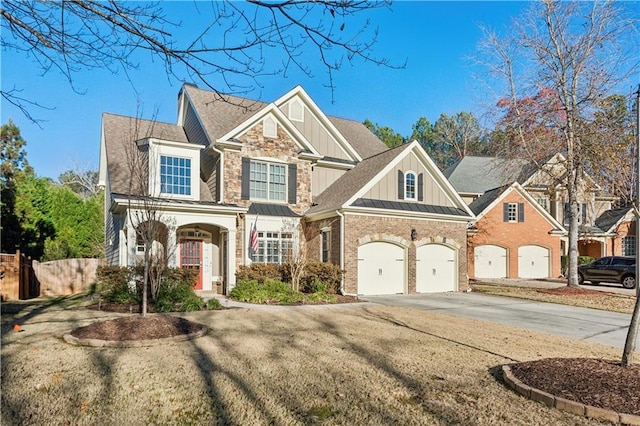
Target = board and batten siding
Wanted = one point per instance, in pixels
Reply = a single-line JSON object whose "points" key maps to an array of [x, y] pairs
{"points": [[387, 187], [321, 140], [322, 178]]}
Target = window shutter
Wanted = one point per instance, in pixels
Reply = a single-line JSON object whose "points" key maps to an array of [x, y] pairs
{"points": [[293, 183], [420, 187], [567, 213], [400, 185], [520, 212], [583, 207], [246, 171], [505, 212]]}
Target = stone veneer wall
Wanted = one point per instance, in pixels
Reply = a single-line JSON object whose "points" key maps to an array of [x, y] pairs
{"points": [[255, 145], [373, 228]]}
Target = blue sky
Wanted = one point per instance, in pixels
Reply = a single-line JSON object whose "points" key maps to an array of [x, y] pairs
{"points": [[433, 37]]}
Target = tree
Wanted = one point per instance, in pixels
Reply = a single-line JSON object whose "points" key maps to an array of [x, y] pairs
{"points": [[458, 136], [385, 134], [560, 61], [13, 158], [243, 42], [81, 181]]}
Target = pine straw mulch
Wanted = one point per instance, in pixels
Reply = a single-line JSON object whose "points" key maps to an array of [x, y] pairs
{"points": [[596, 382]]}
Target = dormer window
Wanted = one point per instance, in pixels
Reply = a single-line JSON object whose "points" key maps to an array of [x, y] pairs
{"points": [[296, 110], [410, 186], [175, 175], [270, 127]]}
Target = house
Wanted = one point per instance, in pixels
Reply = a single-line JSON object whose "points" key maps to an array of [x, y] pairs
{"points": [[237, 181], [480, 180]]}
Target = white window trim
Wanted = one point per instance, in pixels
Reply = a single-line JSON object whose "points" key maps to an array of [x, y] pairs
{"points": [[324, 231], [286, 181], [631, 244], [415, 185]]}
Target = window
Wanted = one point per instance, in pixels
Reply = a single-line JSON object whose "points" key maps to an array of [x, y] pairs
{"points": [[543, 202], [267, 181], [139, 244], [629, 245], [410, 186], [270, 127], [273, 247], [513, 212], [175, 175], [326, 246]]}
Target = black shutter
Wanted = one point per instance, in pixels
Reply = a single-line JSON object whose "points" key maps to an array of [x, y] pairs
{"points": [[584, 213], [246, 171], [505, 212], [520, 212], [567, 214], [400, 185], [420, 187], [293, 183]]}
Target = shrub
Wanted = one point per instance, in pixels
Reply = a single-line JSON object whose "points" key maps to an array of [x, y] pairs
{"points": [[213, 304], [259, 272], [269, 291], [328, 273], [113, 285], [176, 293], [315, 286]]}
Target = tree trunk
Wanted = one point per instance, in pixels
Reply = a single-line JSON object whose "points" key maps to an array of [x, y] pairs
{"points": [[145, 278], [632, 334]]}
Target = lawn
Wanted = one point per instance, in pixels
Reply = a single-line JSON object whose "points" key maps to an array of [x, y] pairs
{"points": [[301, 365]]}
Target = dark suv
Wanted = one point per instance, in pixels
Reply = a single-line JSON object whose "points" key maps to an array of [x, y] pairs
{"points": [[610, 269]]}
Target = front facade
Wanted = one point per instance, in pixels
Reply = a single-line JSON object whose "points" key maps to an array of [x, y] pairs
{"points": [[237, 181]]}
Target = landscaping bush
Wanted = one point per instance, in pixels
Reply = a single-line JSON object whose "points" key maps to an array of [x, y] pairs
{"points": [[269, 291], [113, 285], [176, 293], [582, 260], [328, 273], [259, 272], [214, 304]]}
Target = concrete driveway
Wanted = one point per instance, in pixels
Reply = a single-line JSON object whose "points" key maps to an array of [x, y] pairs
{"points": [[590, 325]]}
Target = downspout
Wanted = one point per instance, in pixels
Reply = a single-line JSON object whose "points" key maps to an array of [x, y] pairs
{"points": [[342, 255]]}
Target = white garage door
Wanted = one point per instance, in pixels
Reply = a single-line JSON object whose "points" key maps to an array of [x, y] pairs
{"points": [[436, 269], [490, 261], [533, 262], [381, 268]]}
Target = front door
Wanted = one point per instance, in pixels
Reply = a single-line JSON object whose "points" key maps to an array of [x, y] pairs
{"points": [[191, 257]]}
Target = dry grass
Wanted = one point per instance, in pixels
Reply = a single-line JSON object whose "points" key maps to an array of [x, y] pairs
{"points": [[330, 365]]}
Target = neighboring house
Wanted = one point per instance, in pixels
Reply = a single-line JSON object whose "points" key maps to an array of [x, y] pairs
{"points": [[513, 236], [599, 232], [241, 181]]}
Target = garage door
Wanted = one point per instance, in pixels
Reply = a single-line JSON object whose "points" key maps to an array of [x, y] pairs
{"points": [[436, 269], [381, 268], [533, 262], [490, 261]]}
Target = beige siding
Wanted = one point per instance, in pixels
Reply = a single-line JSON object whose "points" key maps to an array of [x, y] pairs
{"points": [[322, 177], [387, 188], [321, 140]]}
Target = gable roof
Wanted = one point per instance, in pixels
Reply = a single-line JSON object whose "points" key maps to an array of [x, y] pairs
{"points": [[476, 175], [610, 219], [490, 199], [219, 115], [120, 133], [348, 189]]}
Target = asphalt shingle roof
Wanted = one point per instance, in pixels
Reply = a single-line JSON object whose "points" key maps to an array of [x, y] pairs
{"points": [[477, 175], [609, 218]]}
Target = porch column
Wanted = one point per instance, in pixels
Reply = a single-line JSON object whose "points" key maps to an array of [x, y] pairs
{"points": [[172, 249], [231, 259]]}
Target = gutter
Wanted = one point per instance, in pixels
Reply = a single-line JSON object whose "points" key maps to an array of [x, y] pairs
{"points": [[342, 255]]}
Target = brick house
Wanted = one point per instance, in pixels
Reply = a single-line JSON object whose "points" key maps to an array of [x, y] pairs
{"points": [[602, 230], [284, 174]]}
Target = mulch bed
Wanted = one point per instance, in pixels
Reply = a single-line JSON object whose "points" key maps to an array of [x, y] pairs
{"points": [[137, 328], [574, 291], [596, 382]]}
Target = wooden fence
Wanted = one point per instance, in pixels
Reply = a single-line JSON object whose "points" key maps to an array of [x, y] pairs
{"points": [[23, 278]]}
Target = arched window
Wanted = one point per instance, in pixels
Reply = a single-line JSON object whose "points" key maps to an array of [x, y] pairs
{"points": [[410, 186]]}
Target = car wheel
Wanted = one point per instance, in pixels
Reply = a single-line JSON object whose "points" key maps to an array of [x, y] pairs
{"points": [[580, 279], [629, 281]]}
